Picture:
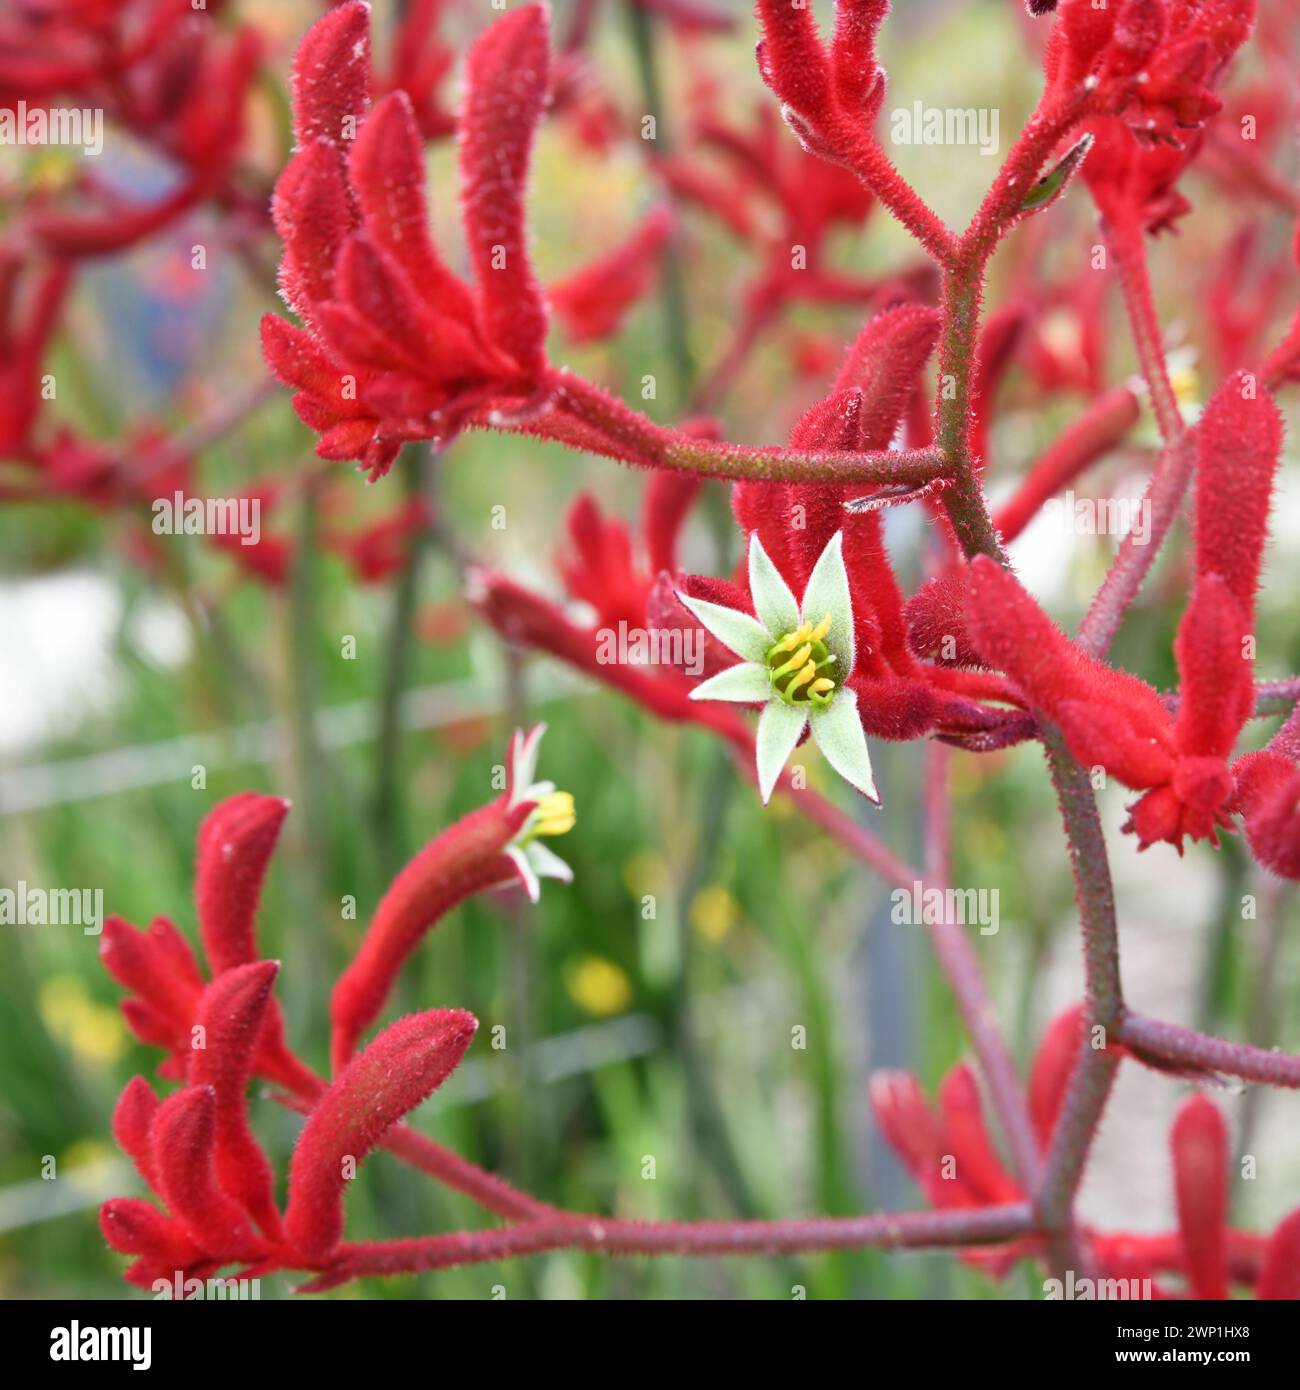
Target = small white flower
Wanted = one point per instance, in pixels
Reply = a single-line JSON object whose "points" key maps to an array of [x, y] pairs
{"points": [[796, 659], [552, 815]]}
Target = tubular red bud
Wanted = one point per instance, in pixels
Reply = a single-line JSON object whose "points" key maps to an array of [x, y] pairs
{"points": [[230, 1015], [1238, 445], [506, 76], [331, 76], [466, 858], [235, 844], [182, 1138], [135, 1227], [400, 1069], [1199, 1142], [133, 1118]]}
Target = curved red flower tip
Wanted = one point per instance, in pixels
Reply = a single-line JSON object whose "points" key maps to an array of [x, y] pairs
{"points": [[1267, 793], [1199, 1142], [496, 845], [133, 1117], [159, 969], [235, 844], [182, 1139], [331, 76], [506, 76], [399, 1070], [133, 1226], [1238, 447], [1280, 1276], [228, 1027], [858, 77], [1054, 1064], [593, 301]]}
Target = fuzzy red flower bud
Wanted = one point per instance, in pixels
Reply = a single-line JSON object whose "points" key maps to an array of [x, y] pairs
{"points": [[506, 84], [1239, 443], [183, 1136], [1199, 1141], [229, 1024], [331, 76], [399, 1070], [235, 843]]}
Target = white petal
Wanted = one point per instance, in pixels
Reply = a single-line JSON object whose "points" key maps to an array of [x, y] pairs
{"points": [[744, 635], [546, 863], [747, 684], [519, 858], [837, 731], [779, 727], [828, 592], [524, 749], [773, 601]]}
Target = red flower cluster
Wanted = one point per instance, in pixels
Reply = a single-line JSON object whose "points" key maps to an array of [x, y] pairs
{"points": [[1116, 722], [952, 1158], [196, 1149]]}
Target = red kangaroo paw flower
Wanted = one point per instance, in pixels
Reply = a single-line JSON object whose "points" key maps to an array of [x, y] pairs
{"points": [[331, 76], [593, 302], [506, 76], [230, 1016], [490, 847], [1280, 1276], [184, 1131], [1239, 443], [1199, 1141], [977, 1161], [399, 1070]]}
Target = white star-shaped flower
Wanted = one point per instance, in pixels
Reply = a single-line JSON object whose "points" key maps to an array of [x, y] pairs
{"points": [[796, 658], [552, 815]]}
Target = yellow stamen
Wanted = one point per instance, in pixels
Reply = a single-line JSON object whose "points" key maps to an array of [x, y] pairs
{"points": [[555, 814], [801, 678], [821, 629], [821, 686], [792, 639]]}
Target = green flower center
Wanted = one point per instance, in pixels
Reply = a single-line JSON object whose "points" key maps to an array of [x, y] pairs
{"points": [[801, 667]]}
